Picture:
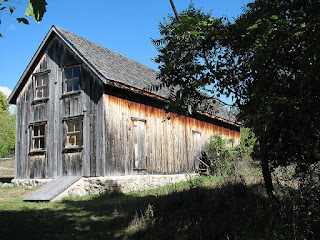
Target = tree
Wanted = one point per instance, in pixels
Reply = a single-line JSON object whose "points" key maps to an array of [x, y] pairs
{"points": [[7, 128], [268, 60], [186, 56], [35, 9]]}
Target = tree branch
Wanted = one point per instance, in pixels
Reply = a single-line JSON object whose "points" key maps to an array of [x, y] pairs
{"points": [[175, 11]]}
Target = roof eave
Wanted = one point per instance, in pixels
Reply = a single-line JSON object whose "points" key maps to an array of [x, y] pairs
{"points": [[15, 92], [70, 45]]}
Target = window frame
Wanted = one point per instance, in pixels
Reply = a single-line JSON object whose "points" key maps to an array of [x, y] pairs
{"points": [[43, 86], [72, 79], [38, 138], [75, 133]]}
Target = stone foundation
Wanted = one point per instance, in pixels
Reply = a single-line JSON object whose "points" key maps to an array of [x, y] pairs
{"points": [[30, 182], [99, 185]]}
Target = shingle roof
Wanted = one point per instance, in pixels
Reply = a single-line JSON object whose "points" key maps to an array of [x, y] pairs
{"points": [[114, 66], [111, 66]]}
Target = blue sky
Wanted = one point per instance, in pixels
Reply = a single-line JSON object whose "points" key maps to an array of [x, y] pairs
{"points": [[124, 26]]}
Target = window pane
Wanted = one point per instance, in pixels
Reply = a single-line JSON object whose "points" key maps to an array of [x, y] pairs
{"points": [[39, 92], [36, 144], [79, 139], [76, 84], [41, 142], [38, 82], [76, 71], [41, 130], [45, 92], [71, 140], [36, 131], [77, 125], [70, 126], [69, 86], [45, 78], [69, 73]]}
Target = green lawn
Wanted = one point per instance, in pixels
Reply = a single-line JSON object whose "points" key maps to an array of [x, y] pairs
{"points": [[212, 208]]}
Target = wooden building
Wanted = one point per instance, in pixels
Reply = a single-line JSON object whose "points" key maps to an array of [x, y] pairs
{"points": [[82, 110]]}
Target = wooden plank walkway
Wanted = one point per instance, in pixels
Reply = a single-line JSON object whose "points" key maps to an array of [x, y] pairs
{"points": [[52, 189]]}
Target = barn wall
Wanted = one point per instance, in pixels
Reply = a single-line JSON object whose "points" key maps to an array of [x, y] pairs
{"points": [[56, 160], [108, 116], [170, 144]]}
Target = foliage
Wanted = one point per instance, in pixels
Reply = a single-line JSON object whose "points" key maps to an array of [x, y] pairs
{"points": [[222, 156], [35, 9], [267, 59], [276, 50], [7, 129], [4, 106], [300, 200], [247, 142], [183, 62]]}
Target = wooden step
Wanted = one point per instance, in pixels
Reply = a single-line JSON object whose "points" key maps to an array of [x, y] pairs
{"points": [[52, 189], [204, 171]]}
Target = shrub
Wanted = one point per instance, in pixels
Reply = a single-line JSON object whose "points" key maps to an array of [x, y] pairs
{"points": [[220, 155], [225, 159]]}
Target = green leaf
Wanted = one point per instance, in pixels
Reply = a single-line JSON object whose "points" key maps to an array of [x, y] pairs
{"points": [[11, 9], [36, 9], [253, 27], [4, 1], [2, 8], [1, 35], [274, 17], [25, 21]]}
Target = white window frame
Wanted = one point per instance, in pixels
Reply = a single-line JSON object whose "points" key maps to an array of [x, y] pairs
{"points": [[37, 137], [41, 88], [74, 133]]}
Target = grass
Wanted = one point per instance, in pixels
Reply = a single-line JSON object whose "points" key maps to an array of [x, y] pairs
{"points": [[6, 168], [204, 208]]}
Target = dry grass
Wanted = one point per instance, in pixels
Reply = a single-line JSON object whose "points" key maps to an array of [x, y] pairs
{"points": [[6, 168]]}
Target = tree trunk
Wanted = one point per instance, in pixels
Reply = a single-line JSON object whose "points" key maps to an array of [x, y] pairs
{"points": [[268, 183]]}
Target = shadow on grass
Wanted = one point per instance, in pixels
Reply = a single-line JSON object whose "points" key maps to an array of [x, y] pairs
{"points": [[232, 211]]}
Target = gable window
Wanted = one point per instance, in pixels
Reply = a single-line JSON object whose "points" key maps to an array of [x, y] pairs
{"points": [[73, 132], [41, 86], [71, 79], [38, 133]]}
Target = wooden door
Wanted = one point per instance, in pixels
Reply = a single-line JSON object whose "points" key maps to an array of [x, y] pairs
{"points": [[139, 151]]}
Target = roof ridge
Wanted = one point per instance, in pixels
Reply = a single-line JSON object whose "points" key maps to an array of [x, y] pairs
{"points": [[99, 45]]}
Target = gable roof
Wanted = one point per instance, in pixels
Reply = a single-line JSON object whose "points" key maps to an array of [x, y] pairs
{"points": [[112, 68]]}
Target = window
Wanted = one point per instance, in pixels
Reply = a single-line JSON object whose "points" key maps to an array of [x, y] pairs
{"points": [[41, 86], [38, 137], [73, 132], [72, 79]]}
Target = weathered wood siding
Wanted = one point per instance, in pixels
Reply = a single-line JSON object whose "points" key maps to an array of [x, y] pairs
{"points": [[170, 139], [87, 104], [123, 132]]}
